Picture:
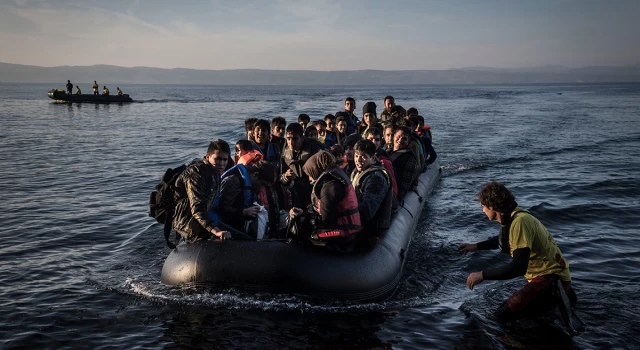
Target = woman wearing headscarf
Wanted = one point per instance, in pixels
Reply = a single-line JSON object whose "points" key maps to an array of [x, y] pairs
{"points": [[334, 203]]}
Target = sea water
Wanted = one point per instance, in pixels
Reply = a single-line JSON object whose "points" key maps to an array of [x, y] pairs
{"points": [[81, 260]]}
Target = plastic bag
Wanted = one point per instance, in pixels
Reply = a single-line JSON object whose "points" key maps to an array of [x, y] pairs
{"points": [[258, 226]]}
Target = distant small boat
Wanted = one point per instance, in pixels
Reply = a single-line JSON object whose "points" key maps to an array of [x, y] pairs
{"points": [[61, 95], [559, 93]]}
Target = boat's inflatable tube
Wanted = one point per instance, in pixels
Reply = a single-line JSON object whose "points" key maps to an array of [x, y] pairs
{"points": [[60, 95], [275, 266]]}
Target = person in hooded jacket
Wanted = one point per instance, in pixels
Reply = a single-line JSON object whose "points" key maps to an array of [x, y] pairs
{"points": [[334, 202], [372, 183], [297, 151]]}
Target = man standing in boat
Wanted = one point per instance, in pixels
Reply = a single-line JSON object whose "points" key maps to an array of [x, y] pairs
{"points": [[95, 88], [535, 254], [69, 87], [198, 195]]}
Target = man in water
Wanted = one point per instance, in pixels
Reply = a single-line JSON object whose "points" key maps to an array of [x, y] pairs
{"points": [[198, 192], [535, 254]]}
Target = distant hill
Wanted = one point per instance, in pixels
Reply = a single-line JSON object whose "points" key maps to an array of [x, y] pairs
{"points": [[105, 74]]}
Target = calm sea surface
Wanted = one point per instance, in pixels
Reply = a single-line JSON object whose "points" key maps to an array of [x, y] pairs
{"points": [[80, 261]]}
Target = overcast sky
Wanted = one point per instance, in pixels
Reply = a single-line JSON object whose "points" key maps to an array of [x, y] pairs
{"points": [[320, 34]]}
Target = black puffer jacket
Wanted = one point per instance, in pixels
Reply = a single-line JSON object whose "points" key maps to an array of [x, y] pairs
{"points": [[196, 191]]}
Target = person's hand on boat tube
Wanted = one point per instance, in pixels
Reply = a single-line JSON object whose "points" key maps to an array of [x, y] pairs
{"points": [[467, 248], [251, 212], [294, 212], [221, 234], [474, 278]]}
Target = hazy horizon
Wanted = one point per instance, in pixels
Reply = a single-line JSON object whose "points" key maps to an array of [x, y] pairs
{"points": [[323, 35]]}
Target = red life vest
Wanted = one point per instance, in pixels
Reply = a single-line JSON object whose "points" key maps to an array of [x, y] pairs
{"points": [[348, 215]]}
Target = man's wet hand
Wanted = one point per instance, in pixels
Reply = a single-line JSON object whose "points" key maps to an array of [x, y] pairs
{"points": [[467, 248], [474, 278]]}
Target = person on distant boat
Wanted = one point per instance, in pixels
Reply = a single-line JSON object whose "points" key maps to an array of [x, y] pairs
{"points": [[69, 87], [197, 196], [334, 205], [78, 91], [535, 254], [119, 92], [372, 183], [105, 91], [95, 88]]}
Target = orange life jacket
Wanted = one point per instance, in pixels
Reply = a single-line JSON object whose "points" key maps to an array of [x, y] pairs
{"points": [[348, 216], [250, 158]]}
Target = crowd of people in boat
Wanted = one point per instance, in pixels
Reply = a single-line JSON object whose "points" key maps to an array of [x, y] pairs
{"points": [[333, 182], [95, 86]]}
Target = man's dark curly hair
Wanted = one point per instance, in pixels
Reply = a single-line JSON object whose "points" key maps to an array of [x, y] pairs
{"points": [[496, 195]]}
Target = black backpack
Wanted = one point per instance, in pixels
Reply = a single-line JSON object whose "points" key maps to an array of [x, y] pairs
{"points": [[162, 201]]}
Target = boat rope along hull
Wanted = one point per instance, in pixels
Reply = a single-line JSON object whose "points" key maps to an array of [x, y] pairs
{"points": [[275, 266]]}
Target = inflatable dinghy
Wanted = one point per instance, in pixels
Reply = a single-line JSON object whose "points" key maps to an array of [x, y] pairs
{"points": [[295, 268]]}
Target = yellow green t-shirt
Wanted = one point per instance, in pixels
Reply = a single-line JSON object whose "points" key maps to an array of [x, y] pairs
{"points": [[545, 258]]}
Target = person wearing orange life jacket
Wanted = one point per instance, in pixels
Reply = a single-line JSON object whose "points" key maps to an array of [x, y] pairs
{"points": [[334, 202], [245, 154]]}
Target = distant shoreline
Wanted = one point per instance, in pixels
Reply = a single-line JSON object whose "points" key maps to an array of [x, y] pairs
{"points": [[15, 73]]}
